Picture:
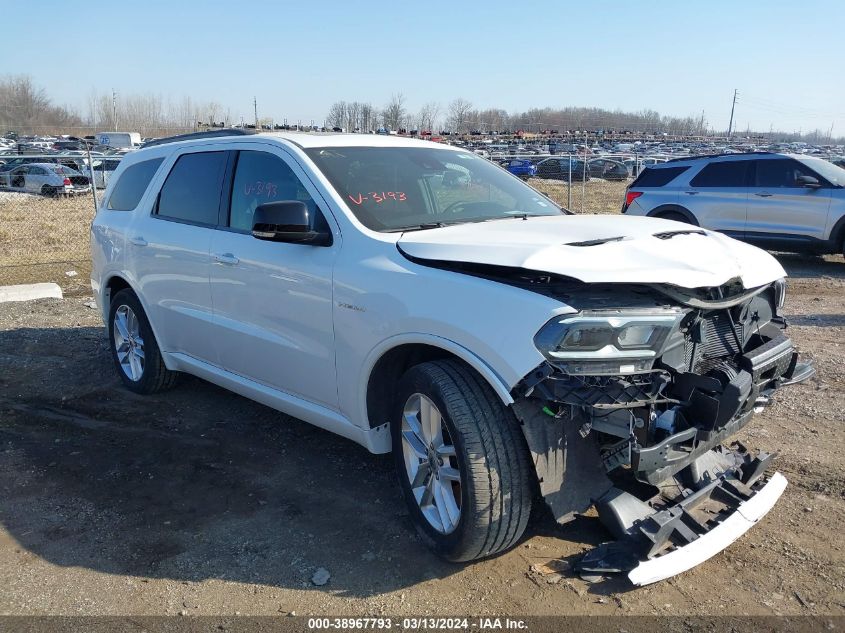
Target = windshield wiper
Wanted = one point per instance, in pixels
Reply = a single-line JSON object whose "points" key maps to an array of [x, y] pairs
{"points": [[416, 227], [515, 216]]}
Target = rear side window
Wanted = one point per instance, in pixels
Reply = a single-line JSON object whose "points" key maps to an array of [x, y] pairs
{"points": [[658, 177], [191, 192], [725, 174], [132, 184]]}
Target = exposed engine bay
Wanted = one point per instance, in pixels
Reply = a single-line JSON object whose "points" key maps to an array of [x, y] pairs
{"points": [[629, 412]]}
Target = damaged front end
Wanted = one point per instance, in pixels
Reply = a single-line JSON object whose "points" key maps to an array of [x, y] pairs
{"points": [[629, 411]]}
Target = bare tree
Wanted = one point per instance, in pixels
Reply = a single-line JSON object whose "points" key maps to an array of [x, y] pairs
{"points": [[427, 118], [393, 114], [369, 115], [459, 111], [26, 107], [353, 116], [337, 114]]}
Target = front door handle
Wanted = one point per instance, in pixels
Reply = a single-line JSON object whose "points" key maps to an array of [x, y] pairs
{"points": [[138, 241], [226, 258], [763, 194], [691, 193]]}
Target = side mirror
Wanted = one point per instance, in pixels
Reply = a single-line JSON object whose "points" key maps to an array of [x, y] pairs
{"points": [[808, 181], [287, 221]]}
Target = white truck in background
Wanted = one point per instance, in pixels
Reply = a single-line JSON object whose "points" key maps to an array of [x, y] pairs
{"points": [[119, 140]]}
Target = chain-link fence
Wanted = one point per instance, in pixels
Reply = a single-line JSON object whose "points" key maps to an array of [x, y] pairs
{"points": [[46, 209], [592, 184], [47, 205]]}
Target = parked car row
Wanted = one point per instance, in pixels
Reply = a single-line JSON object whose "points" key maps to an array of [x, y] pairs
{"points": [[568, 168], [49, 179], [103, 166]]}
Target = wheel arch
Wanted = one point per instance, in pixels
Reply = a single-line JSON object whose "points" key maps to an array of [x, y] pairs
{"points": [[673, 208], [837, 235], [114, 284], [386, 364]]}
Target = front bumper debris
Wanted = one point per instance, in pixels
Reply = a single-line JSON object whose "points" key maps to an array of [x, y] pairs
{"points": [[746, 515], [696, 515], [644, 443]]}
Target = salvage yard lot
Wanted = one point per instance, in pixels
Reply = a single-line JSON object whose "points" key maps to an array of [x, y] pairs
{"points": [[199, 501]]}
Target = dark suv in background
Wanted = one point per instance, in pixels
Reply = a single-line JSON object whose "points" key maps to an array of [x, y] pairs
{"points": [[784, 202]]}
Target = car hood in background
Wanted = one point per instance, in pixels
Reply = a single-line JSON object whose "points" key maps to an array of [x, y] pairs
{"points": [[600, 249]]}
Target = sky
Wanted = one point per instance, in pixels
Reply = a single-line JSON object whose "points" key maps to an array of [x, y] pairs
{"points": [[680, 58]]}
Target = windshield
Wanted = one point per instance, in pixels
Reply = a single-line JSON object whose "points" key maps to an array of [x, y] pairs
{"points": [[827, 170], [406, 188]]}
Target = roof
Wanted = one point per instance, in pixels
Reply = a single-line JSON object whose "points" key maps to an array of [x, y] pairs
{"points": [[738, 155]]}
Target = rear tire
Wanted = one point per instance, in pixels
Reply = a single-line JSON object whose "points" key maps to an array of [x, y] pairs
{"points": [[134, 349], [480, 442], [49, 191]]}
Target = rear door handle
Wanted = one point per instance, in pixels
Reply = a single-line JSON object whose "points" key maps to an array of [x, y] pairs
{"points": [[138, 241], [763, 194], [226, 258], [691, 193]]}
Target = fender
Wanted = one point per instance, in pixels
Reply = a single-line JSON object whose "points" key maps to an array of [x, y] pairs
{"points": [[673, 208], [487, 372]]}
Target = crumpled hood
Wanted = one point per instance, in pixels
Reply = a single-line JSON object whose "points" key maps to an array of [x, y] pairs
{"points": [[566, 245]]}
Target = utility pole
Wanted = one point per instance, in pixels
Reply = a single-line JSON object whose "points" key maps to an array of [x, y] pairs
{"points": [[733, 106], [114, 109], [255, 107]]}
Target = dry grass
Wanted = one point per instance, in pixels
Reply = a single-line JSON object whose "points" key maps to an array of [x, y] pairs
{"points": [[37, 229], [594, 196], [41, 239]]}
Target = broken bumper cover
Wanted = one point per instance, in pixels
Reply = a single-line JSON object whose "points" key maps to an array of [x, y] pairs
{"points": [[720, 537], [700, 512]]}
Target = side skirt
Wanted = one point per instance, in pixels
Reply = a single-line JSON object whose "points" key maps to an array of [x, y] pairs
{"points": [[375, 440]]}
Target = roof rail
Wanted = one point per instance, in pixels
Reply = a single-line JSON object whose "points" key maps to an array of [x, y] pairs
{"points": [[722, 155], [199, 135]]}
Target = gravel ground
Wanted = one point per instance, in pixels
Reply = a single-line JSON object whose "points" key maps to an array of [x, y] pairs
{"points": [[198, 501]]}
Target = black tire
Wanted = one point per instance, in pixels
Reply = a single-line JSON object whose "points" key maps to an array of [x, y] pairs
{"points": [[675, 216], [154, 376], [49, 191], [497, 482]]}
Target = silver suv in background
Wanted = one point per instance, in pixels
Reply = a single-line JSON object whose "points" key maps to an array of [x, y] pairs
{"points": [[783, 202]]}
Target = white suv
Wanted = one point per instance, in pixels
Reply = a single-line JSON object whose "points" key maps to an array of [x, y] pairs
{"points": [[419, 300]]}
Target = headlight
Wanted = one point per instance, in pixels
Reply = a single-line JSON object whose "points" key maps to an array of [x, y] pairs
{"points": [[611, 342]]}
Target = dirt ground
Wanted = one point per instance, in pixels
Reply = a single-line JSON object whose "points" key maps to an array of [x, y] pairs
{"points": [[199, 501]]}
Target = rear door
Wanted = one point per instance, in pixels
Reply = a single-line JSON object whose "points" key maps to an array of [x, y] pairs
{"points": [[273, 308], [169, 251], [38, 176], [779, 207], [718, 196]]}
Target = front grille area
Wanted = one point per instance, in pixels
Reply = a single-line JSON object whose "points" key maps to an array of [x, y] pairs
{"points": [[714, 342]]}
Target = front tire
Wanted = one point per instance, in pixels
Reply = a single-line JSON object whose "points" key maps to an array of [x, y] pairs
{"points": [[462, 462], [134, 348]]}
